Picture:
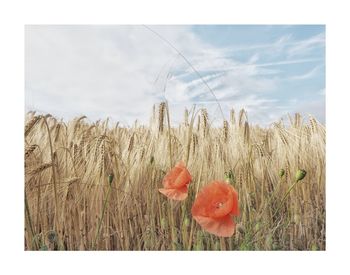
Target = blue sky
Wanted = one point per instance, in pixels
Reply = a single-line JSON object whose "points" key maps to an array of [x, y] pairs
{"points": [[121, 71]]}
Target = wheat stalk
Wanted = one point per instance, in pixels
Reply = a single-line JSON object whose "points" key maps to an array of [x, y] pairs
{"points": [[161, 114]]}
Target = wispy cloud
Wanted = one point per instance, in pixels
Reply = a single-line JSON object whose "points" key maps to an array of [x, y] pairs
{"points": [[121, 71], [305, 46], [309, 74]]}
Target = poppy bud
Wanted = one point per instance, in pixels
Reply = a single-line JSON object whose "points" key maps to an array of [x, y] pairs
{"points": [[44, 247], [229, 177], [240, 228], [174, 234], [199, 247], [300, 175], [296, 218], [257, 227], [51, 236], [281, 173], [179, 246], [269, 241], [110, 178], [163, 223], [187, 222]]}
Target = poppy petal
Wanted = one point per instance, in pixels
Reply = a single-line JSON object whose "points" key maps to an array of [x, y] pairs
{"points": [[221, 227], [171, 176], [215, 200], [177, 176], [175, 193], [183, 178], [235, 209]]}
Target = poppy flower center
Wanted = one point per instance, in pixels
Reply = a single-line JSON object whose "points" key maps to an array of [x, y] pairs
{"points": [[219, 205]]}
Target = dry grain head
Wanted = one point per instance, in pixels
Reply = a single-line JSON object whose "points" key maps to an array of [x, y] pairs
{"points": [[186, 117], [232, 118], [205, 120], [29, 126], [40, 168], [161, 115], [198, 123], [246, 133], [225, 131], [242, 118], [131, 142], [29, 150]]}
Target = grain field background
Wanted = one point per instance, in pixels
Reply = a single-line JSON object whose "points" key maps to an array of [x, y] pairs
{"points": [[94, 186]]}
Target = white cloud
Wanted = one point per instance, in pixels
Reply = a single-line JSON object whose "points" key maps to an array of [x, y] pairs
{"points": [[322, 92], [99, 71], [121, 71], [315, 108]]}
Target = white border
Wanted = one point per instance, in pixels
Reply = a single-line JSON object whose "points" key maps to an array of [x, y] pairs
{"points": [[13, 16]]}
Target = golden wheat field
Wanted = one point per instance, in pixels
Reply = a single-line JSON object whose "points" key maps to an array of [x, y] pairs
{"points": [[94, 186]]}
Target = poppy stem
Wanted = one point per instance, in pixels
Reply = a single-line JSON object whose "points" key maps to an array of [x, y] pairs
{"points": [[172, 227], [284, 197]]}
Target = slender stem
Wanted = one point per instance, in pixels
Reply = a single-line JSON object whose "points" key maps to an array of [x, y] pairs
{"points": [[222, 244], [172, 226], [188, 148], [53, 171], [284, 197], [269, 200], [279, 207], [29, 220], [101, 219], [169, 133]]}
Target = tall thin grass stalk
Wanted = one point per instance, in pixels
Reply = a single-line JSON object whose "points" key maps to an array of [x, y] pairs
{"points": [[30, 223], [169, 134], [98, 231], [53, 173]]}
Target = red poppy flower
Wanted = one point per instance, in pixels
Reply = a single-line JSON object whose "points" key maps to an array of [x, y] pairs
{"points": [[214, 207], [175, 182]]}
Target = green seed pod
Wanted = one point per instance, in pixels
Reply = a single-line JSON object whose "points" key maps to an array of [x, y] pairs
{"points": [[296, 218], [199, 247], [300, 175], [183, 208], [187, 222], [174, 234], [240, 228], [229, 177], [163, 223], [44, 247], [179, 246], [110, 178], [281, 173], [52, 236], [257, 227]]}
